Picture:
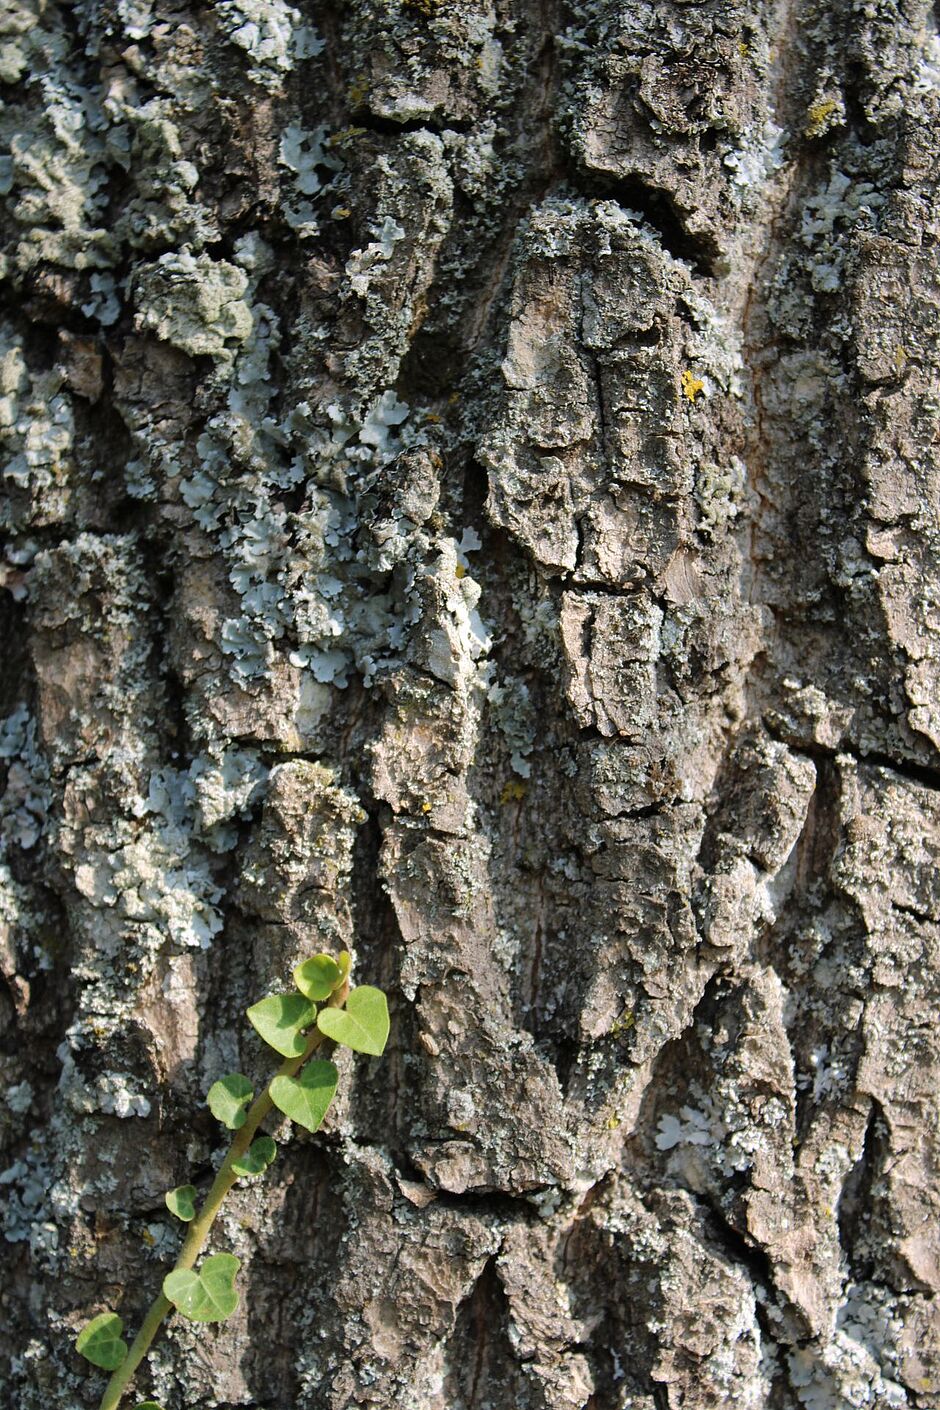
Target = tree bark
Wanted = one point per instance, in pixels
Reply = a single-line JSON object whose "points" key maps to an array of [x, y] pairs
{"points": [[471, 498]]}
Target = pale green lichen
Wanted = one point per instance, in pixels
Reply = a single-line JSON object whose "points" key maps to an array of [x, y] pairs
{"points": [[306, 155], [18, 36], [360, 264], [720, 491], [194, 302], [752, 166], [58, 173], [840, 207], [860, 1365], [36, 438], [162, 208], [302, 574], [156, 874], [271, 34], [512, 711], [27, 796]]}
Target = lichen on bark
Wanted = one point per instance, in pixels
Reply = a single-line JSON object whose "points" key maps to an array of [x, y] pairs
{"points": [[470, 497]]}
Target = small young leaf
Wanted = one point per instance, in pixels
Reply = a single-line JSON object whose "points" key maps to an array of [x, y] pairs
{"points": [[99, 1341], [362, 1024], [182, 1202], [316, 978], [305, 1099], [229, 1099], [280, 1021], [257, 1157], [206, 1296], [149, 1405], [344, 960]]}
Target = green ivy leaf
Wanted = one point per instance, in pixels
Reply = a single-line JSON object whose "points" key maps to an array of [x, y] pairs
{"points": [[206, 1296], [182, 1202], [305, 1099], [256, 1158], [99, 1341], [362, 1024], [316, 978], [280, 1021], [229, 1099]]}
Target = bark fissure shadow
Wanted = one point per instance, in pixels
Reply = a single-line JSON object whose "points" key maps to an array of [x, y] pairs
{"points": [[385, 1092], [659, 209], [482, 1368], [914, 771], [282, 1350], [439, 352]]}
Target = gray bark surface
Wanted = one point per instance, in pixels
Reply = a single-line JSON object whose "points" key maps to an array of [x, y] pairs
{"points": [[471, 496]]}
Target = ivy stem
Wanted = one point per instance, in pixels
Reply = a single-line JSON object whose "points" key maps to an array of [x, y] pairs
{"points": [[199, 1228]]}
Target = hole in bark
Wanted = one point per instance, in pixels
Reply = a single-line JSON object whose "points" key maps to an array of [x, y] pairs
{"points": [[660, 210], [432, 366], [647, 337], [14, 680], [391, 127], [855, 89]]}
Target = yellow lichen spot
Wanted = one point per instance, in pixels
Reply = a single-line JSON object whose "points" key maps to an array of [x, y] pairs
{"points": [[817, 117], [432, 418], [453, 399], [513, 792], [900, 358], [623, 1024], [613, 1122], [460, 571], [358, 89], [424, 7], [426, 807], [341, 212], [743, 49], [691, 385], [148, 1238]]}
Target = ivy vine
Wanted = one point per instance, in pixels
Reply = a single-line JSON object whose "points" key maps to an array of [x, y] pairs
{"points": [[322, 1008]]}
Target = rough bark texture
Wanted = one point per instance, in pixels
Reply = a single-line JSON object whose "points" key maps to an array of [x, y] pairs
{"points": [[472, 497]]}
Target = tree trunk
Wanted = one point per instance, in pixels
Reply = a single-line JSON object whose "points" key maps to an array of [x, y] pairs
{"points": [[471, 497]]}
